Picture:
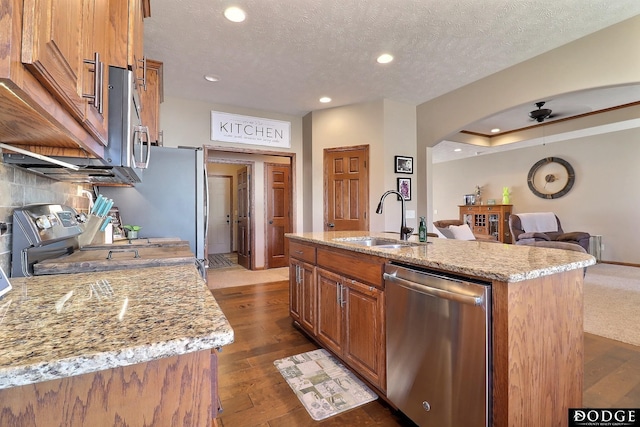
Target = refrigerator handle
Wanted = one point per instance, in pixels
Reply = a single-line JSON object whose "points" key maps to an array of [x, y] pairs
{"points": [[206, 207]]}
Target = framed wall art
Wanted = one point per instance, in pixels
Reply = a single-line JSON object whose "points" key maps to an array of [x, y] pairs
{"points": [[404, 188], [403, 164]]}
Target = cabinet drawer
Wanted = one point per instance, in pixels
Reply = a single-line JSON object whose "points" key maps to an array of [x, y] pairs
{"points": [[301, 251], [365, 268]]}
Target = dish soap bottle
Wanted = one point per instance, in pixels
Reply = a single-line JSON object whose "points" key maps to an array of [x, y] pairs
{"points": [[422, 230]]}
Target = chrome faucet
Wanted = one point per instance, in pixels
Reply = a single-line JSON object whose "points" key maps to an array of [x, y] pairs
{"points": [[405, 231]]}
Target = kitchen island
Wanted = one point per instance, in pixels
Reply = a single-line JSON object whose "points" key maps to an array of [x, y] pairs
{"points": [[536, 341], [123, 347]]}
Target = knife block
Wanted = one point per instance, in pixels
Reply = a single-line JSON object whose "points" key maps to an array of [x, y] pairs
{"points": [[91, 228]]}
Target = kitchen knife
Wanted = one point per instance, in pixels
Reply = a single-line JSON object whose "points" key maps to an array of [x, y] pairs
{"points": [[106, 207], [107, 220], [97, 206], [103, 208]]}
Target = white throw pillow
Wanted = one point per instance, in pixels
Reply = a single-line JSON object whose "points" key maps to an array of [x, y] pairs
{"points": [[462, 232], [444, 233]]}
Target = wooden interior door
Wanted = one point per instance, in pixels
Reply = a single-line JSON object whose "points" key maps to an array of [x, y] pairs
{"points": [[346, 188], [278, 211], [244, 209]]}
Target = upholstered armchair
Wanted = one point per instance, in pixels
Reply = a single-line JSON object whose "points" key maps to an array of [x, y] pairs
{"points": [[452, 229], [529, 228]]}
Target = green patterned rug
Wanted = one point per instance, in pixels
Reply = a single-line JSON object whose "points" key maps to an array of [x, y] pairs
{"points": [[323, 384]]}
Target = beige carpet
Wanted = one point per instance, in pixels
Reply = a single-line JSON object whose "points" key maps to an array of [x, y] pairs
{"points": [[612, 302]]}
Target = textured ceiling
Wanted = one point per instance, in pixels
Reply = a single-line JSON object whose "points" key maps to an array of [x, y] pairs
{"points": [[288, 54]]}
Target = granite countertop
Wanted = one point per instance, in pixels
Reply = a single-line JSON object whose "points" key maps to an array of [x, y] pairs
{"points": [[69, 324], [487, 260]]}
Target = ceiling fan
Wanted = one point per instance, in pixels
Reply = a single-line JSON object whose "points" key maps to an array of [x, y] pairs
{"points": [[541, 114]]}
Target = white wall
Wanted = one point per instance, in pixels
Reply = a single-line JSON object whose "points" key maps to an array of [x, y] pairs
{"points": [[188, 123], [389, 128], [604, 200], [399, 140], [605, 58]]}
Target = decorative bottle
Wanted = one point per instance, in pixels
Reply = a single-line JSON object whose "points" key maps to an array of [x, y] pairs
{"points": [[422, 230], [505, 195]]}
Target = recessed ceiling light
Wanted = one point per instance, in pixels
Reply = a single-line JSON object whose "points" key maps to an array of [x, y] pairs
{"points": [[234, 14], [458, 150], [325, 99], [495, 130], [211, 78], [385, 58]]}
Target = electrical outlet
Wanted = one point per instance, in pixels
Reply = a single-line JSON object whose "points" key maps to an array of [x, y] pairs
{"points": [[435, 211], [602, 246]]}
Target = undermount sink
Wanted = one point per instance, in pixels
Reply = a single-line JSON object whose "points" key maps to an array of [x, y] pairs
{"points": [[377, 242], [393, 246]]}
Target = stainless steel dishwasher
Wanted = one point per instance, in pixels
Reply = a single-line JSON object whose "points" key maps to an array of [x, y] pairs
{"points": [[438, 346]]}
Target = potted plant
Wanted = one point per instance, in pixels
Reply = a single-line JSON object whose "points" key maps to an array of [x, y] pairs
{"points": [[132, 231]]}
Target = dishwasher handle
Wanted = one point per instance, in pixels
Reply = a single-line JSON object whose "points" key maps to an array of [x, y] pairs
{"points": [[441, 293]]}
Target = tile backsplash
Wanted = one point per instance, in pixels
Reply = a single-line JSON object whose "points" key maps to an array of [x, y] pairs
{"points": [[19, 187]]}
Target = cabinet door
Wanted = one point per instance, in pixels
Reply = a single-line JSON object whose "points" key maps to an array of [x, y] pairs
{"points": [[136, 45], [52, 48], [329, 330], [294, 289], [95, 83], [150, 100], [365, 339], [308, 297]]}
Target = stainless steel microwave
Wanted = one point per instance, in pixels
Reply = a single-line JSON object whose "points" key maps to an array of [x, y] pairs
{"points": [[127, 152]]}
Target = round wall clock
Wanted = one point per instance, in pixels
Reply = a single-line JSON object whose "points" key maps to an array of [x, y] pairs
{"points": [[551, 177]]}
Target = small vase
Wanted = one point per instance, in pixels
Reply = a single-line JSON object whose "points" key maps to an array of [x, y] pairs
{"points": [[505, 195]]}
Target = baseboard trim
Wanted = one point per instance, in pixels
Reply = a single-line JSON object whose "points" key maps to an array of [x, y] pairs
{"points": [[626, 264]]}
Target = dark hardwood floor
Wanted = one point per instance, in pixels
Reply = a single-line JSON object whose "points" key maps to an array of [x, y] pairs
{"points": [[253, 393]]}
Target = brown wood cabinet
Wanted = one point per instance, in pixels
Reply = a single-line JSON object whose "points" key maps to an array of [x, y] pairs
{"points": [[351, 324], [43, 48], [338, 298], [330, 318], [302, 285], [303, 294], [178, 388], [488, 220], [64, 45], [151, 99]]}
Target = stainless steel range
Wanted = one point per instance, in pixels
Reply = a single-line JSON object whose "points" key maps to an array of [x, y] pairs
{"points": [[47, 239], [42, 231]]}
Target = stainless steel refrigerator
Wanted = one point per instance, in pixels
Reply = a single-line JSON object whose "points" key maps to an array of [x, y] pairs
{"points": [[171, 200]]}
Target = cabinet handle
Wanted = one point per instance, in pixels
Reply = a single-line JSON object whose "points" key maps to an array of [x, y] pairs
{"points": [[143, 80], [135, 252], [98, 78], [342, 300]]}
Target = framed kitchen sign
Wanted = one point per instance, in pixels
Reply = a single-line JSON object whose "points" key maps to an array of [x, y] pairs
{"points": [[250, 130], [404, 188], [403, 164]]}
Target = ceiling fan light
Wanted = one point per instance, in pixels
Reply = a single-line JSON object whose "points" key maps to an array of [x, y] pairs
{"points": [[540, 115]]}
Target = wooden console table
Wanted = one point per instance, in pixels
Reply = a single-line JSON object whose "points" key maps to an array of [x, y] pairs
{"points": [[489, 220]]}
